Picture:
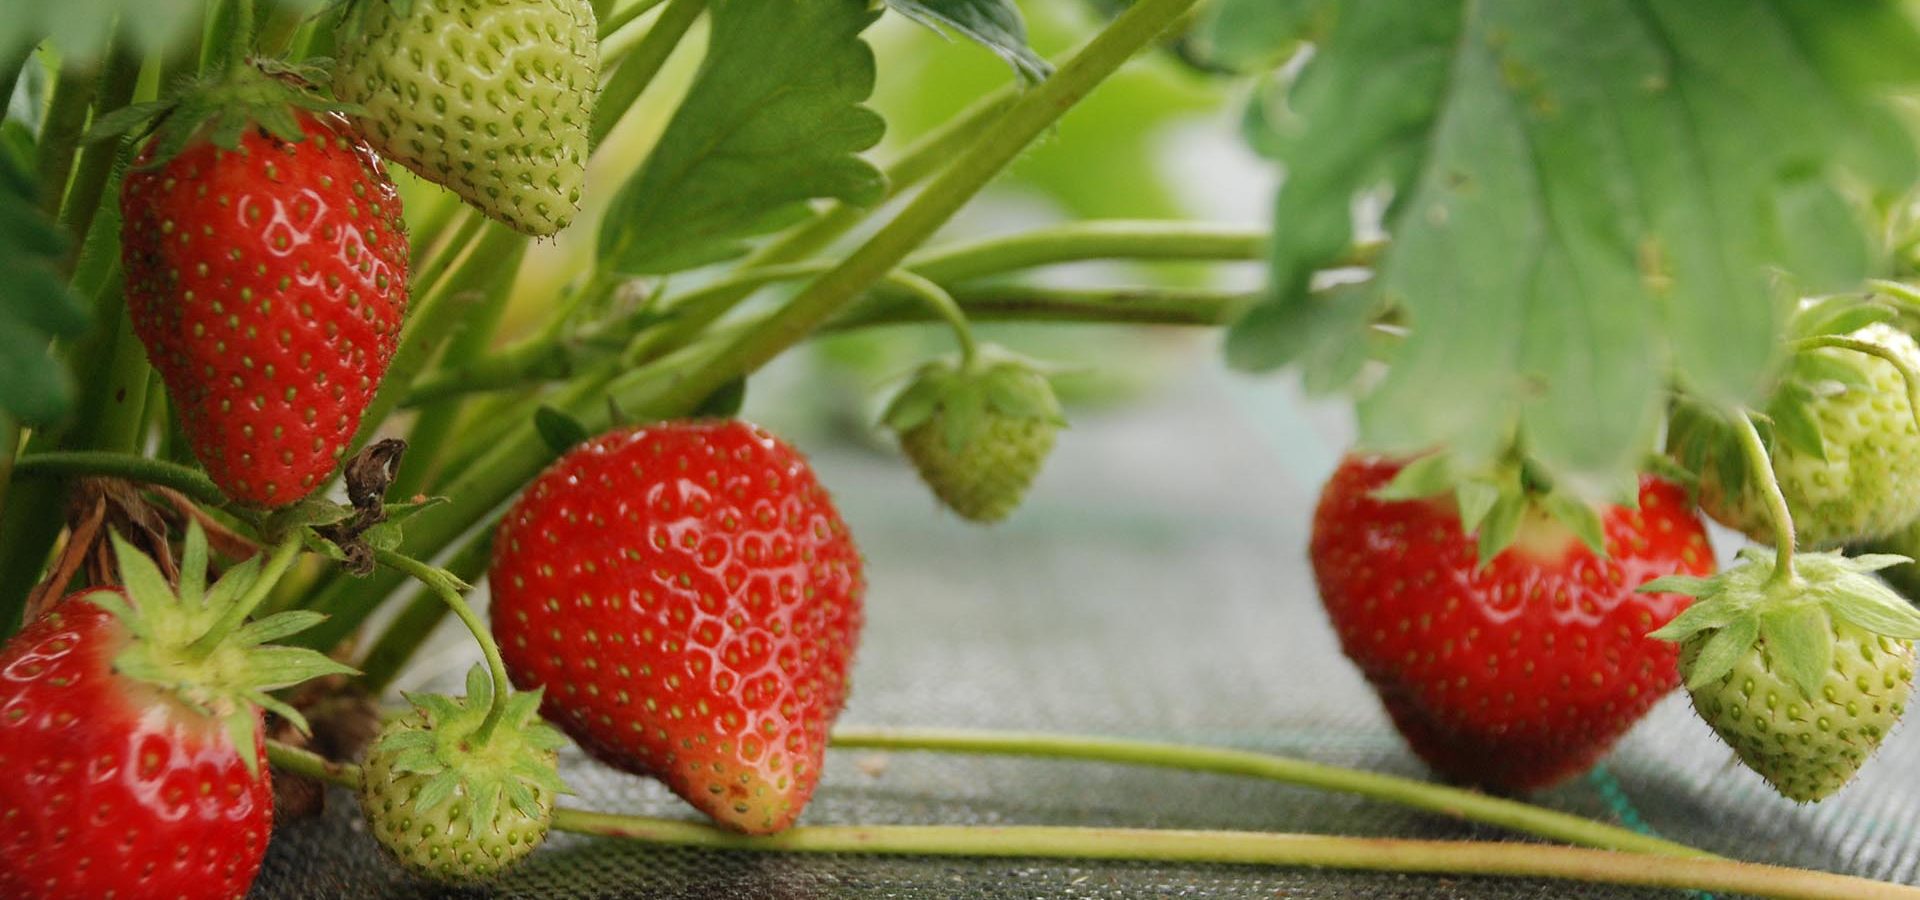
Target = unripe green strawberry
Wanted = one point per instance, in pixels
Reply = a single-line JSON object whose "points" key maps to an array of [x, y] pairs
{"points": [[490, 98], [1802, 677], [1845, 448], [978, 432], [451, 805]]}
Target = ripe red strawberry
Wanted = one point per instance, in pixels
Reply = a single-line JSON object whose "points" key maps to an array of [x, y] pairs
{"points": [[689, 599], [1515, 675], [268, 280], [134, 762]]}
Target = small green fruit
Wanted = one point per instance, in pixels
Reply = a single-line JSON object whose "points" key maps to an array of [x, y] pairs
{"points": [[491, 99], [1845, 449], [978, 433], [1802, 677], [451, 807]]}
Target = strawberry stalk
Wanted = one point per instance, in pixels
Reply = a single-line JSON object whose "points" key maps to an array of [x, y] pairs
{"points": [[1459, 803], [189, 481], [615, 20], [1908, 375], [1762, 473], [640, 66], [442, 585], [1203, 307], [1232, 847]]}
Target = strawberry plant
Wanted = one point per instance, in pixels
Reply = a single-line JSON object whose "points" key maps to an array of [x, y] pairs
{"points": [[318, 315]]}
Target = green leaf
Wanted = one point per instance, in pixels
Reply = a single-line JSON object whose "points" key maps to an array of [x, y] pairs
{"points": [[1588, 199], [1247, 34], [772, 121], [560, 431], [35, 304], [1723, 648], [993, 24], [1800, 645]]}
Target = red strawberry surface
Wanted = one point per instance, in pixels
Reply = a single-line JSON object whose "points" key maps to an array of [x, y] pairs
{"points": [[1519, 674], [268, 284], [113, 790], [689, 599]]}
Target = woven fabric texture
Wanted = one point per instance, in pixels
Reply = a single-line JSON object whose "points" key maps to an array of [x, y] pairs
{"points": [[1155, 586]]}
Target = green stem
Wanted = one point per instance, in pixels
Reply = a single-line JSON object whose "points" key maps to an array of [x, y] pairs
{"points": [[637, 71], [441, 584], [1450, 858], [97, 160], [436, 422], [621, 18], [917, 162], [312, 765], [1760, 468], [434, 318], [428, 277], [1230, 847], [1455, 802], [243, 25], [9, 448], [191, 482], [417, 620], [1028, 303], [12, 66], [60, 134], [1114, 239], [283, 555], [935, 298], [1909, 376]]}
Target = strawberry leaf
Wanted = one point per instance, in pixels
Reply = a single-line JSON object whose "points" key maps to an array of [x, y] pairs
{"points": [[35, 305], [773, 121], [1587, 200], [1245, 34], [993, 24]]}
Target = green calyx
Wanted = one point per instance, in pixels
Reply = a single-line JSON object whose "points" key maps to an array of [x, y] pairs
{"points": [[188, 642], [978, 429], [1795, 618], [1497, 504], [964, 395], [451, 805], [222, 107]]}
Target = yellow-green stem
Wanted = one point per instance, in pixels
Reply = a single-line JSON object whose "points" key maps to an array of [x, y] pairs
{"points": [[1449, 801], [1760, 470], [438, 581], [1230, 847]]}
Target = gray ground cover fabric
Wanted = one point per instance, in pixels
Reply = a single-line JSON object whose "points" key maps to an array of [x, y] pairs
{"points": [[1156, 587]]}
